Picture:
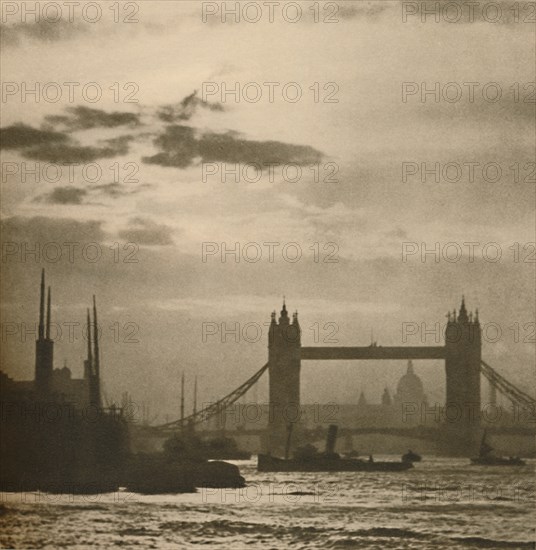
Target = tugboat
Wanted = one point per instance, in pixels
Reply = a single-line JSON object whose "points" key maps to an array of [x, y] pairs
{"points": [[410, 456], [308, 459], [487, 458]]}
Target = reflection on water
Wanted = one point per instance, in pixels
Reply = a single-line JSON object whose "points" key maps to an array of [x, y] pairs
{"points": [[442, 503]]}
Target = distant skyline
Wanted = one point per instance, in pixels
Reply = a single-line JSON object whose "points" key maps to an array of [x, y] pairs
{"points": [[155, 197]]}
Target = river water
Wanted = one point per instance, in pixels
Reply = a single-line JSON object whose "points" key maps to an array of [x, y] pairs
{"points": [[442, 503]]}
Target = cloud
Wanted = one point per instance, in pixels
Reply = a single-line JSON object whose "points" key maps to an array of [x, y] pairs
{"points": [[85, 118], [41, 229], [116, 190], [20, 135], [69, 194], [62, 153], [120, 141], [146, 232], [58, 147], [181, 145], [186, 108], [42, 31], [66, 195]]}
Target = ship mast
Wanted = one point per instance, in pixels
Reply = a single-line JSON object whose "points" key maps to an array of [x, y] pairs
{"points": [[96, 349], [182, 400]]}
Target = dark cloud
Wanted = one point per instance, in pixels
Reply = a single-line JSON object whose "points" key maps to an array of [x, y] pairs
{"points": [[42, 31], [147, 232], [40, 229], [66, 195], [186, 108], [69, 194], [85, 118], [180, 146], [62, 153], [116, 190], [120, 143], [19, 136], [58, 147]]}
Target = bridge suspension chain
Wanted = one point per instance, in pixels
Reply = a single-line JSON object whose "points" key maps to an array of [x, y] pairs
{"points": [[214, 408], [506, 388]]}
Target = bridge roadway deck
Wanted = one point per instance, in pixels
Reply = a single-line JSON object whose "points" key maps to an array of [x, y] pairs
{"points": [[372, 352]]}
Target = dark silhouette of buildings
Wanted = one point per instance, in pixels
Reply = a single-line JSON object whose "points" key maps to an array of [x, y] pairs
{"points": [[55, 435], [58, 384]]}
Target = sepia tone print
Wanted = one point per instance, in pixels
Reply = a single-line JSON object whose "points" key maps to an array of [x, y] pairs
{"points": [[268, 274]]}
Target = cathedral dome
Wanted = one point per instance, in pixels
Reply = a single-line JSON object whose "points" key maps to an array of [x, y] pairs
{"points": [[410, 386]]}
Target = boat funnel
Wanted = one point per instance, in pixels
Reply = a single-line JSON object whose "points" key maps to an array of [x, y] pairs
{"points": [[331, 439]]}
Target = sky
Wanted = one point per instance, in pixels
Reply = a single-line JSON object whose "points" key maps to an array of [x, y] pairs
{"points": [[131, 161]]}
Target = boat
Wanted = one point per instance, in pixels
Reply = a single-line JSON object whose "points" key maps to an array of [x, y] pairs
{"points": [[308, 459], [73, 454], [410, 456], [156, 473], [224, 448], [151, 473], [268, 463], [181, 467], [487, 458]]}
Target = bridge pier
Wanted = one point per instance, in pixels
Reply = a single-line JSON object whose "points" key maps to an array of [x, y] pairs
{"points": [[463, 355], [284, 358]]}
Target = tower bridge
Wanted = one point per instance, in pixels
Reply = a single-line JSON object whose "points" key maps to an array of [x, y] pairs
{"points": [[461, 353]]}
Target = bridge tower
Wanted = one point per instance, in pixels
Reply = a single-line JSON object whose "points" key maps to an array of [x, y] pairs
{"points": [[463, 353], [284, 358]]}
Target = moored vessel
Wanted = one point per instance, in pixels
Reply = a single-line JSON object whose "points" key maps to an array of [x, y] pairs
{"points": [[487, 458], [308, 459], [410, 456]]}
